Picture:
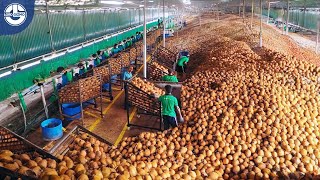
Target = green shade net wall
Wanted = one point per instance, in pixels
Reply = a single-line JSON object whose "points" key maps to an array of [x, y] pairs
{"points": [[68, 28], [21, 80]]}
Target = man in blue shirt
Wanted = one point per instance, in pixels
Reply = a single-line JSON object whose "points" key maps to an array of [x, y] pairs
{"points": [[127, 75]]}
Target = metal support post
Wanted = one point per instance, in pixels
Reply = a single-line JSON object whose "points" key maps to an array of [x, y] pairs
{"points": [[49, 26], [244, 10], [44, 100], [260, 34], [164, 26], [317, 43], [252, 13], [144, 40], [268, 12], [84, 25], [287, 23]]}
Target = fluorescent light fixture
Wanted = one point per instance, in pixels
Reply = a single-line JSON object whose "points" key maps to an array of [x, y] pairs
{"points": [[151, 1], [141, 5], [29, 65], [5, 74], [112, 2], [53, 56], [74, 49]]}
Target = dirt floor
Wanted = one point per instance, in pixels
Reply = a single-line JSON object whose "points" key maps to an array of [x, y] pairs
{"points": [[113, 126]]}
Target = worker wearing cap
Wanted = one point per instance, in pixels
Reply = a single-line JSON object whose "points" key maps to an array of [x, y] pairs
{"points": [[169, 104], [170, 77], [182, 63]]}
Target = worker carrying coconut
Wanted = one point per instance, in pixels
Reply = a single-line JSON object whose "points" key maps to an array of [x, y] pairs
{"points": [[170, 77], [169, 108], [182, 64]]}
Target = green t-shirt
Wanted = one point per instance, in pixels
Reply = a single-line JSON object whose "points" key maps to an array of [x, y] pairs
{"points": [[168, 105], [169, 78], [182, 60]]}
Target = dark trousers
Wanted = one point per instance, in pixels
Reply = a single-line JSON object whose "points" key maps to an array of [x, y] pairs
{"points": [[169, 121]]}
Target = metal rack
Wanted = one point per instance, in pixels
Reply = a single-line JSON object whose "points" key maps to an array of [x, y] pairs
{"points": [[18, 145], [153, 72], [105, 73], [81, 91], [165, 57], [62, 146], [145, 103]]}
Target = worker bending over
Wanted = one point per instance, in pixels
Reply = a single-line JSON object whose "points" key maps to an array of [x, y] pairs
{"points": [[182, 66], [170, 77], [169, 105]]}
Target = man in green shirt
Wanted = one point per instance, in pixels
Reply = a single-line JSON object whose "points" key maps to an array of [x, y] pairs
{"points": [[169, 105], [181, 65], [170, 77]]}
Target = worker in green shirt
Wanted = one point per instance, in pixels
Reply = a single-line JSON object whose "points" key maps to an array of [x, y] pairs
{"points": [[182, 64], [169, 105], [170, 77]]}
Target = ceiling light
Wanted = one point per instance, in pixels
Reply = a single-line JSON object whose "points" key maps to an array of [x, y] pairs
{"points": [[151, 1], [112, 2]]}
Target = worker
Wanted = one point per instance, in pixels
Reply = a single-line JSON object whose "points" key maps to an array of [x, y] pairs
{"points": [[114, 50], [102, 55], [128, 42], [169, 105], [138, 36], [127, 75], [96, 60], [133, 39], [170, 77], [182, 64], [82, 69], [121, 45]]}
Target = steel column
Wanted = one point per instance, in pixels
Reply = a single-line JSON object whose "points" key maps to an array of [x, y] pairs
{"points": [[145, 40], [287, 23], [260, 34], [49, 26], [164, 26]]}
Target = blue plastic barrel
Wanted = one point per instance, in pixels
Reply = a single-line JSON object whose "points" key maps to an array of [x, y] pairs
{"points": [[72, 109], [106, 87], [51, 129]]}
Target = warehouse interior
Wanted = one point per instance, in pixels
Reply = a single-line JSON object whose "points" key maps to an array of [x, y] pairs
{"points": [[82, 90]]}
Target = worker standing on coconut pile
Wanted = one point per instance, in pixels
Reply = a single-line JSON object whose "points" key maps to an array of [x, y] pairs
{"points": [[182, 65], [169, 107], [170, 77]]}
